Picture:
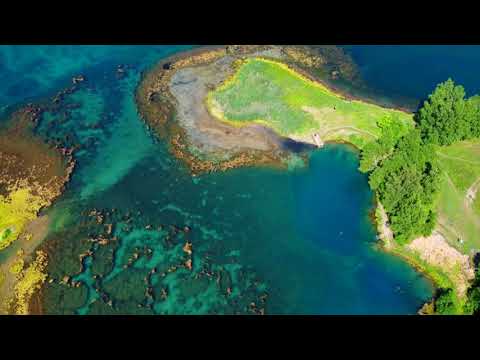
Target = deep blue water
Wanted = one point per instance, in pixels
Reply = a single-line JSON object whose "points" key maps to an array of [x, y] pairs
{"points": [[305, 232], [413, 71]]}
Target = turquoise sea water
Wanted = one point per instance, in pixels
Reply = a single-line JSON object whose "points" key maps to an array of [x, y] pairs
{"points": [[302, 237], [29, 71], [305, 233]]}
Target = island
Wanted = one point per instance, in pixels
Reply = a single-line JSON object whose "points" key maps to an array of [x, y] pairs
{"points": [[225, 107]]}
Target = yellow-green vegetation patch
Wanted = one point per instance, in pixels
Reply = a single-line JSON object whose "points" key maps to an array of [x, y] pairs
{"points": [[17, 266], [30, 280], [16, 210], [459, 212], [272, 94]]}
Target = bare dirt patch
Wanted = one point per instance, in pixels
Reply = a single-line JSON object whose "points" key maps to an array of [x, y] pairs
{"points": [[435, 250]]}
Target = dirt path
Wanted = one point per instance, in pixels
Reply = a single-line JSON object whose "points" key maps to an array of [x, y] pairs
{"points": [[319, 114], [326, 134], [457, 158], [340, 128], [446, 228], [468, 198], [471, 194], [450, 181], [467, 202]]}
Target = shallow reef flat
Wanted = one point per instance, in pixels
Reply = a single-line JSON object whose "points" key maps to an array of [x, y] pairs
{"points": [[126, 265], [33, 174]]}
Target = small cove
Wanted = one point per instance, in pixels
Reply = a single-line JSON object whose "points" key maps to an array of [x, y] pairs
{"points": [[304, 234]]}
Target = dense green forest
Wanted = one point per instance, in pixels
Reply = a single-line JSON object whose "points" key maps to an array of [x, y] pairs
{"points": [[405, 175], [402, 164], [407, 181]]}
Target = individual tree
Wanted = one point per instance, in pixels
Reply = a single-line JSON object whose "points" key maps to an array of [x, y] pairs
{"points": [[444, 117]]}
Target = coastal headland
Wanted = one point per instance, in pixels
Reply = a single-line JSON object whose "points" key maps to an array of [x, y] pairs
{"points": [[225, 107], [172, 99]]}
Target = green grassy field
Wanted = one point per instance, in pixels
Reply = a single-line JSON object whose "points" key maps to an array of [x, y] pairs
{"points": [[267, 92], [458, 217]]}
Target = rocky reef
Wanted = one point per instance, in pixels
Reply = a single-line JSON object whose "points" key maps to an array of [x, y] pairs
{"points": [[126, 265], [33, 174]]}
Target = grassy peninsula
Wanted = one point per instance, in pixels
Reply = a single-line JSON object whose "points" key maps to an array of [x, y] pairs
{"points": [[270, 93]]}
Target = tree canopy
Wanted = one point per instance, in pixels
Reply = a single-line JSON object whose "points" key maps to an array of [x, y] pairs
{"points": [[447, 116], [402, 163], [406, 183], [404, 172], [376, 151]]}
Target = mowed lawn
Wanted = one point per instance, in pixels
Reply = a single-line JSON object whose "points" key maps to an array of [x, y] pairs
{"points": [[458, 217], [268, 92]]}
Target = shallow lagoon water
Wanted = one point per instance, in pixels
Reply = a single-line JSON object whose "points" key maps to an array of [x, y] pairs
{"points": [[303, 236], [304, 232]]}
